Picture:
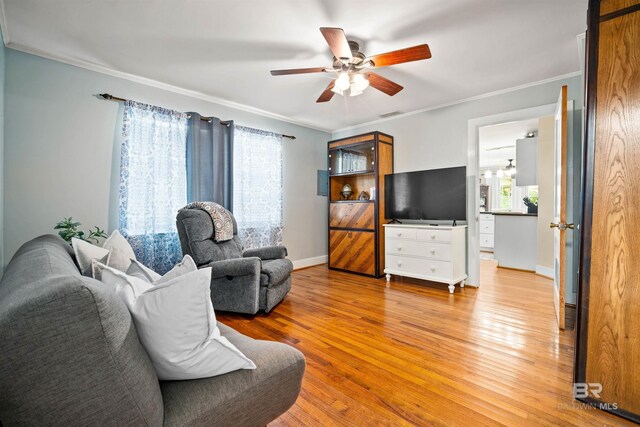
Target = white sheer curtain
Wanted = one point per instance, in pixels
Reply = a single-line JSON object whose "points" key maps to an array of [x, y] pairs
{"points": [[153, 182], [257, 186]]}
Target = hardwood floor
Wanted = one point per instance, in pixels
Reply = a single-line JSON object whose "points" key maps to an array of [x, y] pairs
{"points": [[412, 354]]}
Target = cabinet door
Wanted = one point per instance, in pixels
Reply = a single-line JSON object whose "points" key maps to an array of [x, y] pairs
{"points": [[352, 215], [527, 162], [352, 250]]}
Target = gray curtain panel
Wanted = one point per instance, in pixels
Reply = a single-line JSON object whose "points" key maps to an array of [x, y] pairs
{"points": [[209, 161]]}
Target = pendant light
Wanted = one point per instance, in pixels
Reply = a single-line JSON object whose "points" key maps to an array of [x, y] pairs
{"points": [[487, 174]]}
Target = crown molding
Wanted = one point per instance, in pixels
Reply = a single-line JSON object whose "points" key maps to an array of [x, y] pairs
{"points": [[461, 101], [158, 84]]}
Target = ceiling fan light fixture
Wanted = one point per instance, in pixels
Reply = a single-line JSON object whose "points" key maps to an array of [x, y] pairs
{"points": [[359, 82], [337, 90], [342, 82]]}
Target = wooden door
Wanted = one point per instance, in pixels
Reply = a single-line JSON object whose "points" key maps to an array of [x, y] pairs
{"points": [[352, 250], [608, 336], [559, 223]]}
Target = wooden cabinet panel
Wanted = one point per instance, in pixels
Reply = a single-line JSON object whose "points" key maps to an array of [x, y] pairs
{"points": [[352, 250], [352, 215], [609, 6]]}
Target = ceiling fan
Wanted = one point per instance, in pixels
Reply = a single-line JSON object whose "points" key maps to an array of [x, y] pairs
{"points": [[352, 67]]}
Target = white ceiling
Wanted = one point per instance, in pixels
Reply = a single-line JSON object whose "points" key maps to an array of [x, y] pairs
{"points": [[497, 143], [225, 49]]}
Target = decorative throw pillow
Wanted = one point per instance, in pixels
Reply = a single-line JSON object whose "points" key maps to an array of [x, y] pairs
{"points": [[115, 258], [139, 270], [117, 240], [86, 252], [176, 323]]}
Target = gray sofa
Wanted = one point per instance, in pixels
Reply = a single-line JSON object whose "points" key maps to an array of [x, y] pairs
{"points": [[241, 281], [70, 356]]}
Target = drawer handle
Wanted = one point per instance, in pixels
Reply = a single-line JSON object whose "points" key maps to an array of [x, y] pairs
{"points": [[399, 248], [399, 234], [433, 268], [433, 236], [399, 263], [433, 251]]}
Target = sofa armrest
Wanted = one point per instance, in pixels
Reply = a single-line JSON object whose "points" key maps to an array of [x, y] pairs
{"points": [[235, 267], [267, 252]]}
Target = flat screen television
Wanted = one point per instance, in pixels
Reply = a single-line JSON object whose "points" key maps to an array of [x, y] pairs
{"points": [[436, 194]]}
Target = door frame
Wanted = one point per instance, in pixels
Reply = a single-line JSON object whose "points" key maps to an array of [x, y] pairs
{"points": [[473, 190]]}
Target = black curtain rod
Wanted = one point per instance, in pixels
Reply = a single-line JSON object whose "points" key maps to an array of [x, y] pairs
{"points": [[110, 97]]}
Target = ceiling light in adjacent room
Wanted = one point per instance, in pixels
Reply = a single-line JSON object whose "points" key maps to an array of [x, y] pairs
{"points": [[500, 173], [487, 174]]}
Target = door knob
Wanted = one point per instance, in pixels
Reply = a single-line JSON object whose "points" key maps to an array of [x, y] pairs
{"points": [[561, 226]]}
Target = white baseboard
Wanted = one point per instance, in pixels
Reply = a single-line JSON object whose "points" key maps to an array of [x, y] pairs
{"points": [[544, 271], [309, 262]]}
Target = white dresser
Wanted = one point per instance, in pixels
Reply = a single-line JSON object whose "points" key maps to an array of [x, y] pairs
{"points": [[435, 253], [487, 227]]}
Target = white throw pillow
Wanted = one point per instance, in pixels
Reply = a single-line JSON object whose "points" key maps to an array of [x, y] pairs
{"points": [[117, 240], [176, 323], [115, 259], [141, 271], [85, 252]]}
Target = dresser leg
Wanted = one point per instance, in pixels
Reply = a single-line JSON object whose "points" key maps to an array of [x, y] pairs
{"points": [[388, 277], [451, 288], [462, 283]]}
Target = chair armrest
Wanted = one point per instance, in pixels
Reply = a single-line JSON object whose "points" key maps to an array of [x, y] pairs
{"points": [[267, 252], [235, 267]]}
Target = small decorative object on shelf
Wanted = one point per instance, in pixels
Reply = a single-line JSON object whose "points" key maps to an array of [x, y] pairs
{"points": [[363, 195], [347, 191]]}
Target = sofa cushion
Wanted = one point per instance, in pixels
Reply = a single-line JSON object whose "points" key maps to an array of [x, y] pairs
{"points": [[240, 398], [275, 271], [70, 353]]}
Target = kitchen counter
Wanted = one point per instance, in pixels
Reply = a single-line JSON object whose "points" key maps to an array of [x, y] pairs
{"points": [[515, 240], [513, 213]]}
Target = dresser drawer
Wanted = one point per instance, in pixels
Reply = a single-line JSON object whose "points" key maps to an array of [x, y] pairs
{"points": [[486, 227], [486, 240], [352, 215], [422, 267], [487, 217], [431, 235], [433, 250], [400, 233]]}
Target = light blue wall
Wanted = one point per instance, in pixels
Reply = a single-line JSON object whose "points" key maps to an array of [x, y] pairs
{"points": [[61, 152]]}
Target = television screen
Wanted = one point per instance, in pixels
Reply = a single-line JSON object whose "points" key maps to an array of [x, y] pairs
{"points": [[437, 194]]}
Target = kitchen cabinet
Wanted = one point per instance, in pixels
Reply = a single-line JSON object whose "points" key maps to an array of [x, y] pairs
{"points": [[526, 162]]}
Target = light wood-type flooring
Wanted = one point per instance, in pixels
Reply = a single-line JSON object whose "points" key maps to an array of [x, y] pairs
{"points": [[409, 353]]}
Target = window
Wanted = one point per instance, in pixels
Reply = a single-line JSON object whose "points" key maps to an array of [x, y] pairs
{"points": [[257, 186], [153, 185], [505, 193]]}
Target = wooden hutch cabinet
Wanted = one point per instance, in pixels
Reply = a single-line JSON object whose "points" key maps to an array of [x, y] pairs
{"points": [[356, 240]]}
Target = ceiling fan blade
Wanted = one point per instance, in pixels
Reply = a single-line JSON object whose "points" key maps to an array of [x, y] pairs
{"points": [[415, 53], [383, 84], [327, 94], [298, 71], [337, 42]]}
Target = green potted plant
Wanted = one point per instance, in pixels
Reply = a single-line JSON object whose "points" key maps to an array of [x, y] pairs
{"points": [[69, 229]]}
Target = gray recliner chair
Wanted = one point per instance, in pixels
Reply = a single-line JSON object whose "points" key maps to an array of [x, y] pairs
{"points": [[241, 281]]}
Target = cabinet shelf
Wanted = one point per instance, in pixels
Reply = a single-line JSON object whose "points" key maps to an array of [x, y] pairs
{"points": [[365, 172]]}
